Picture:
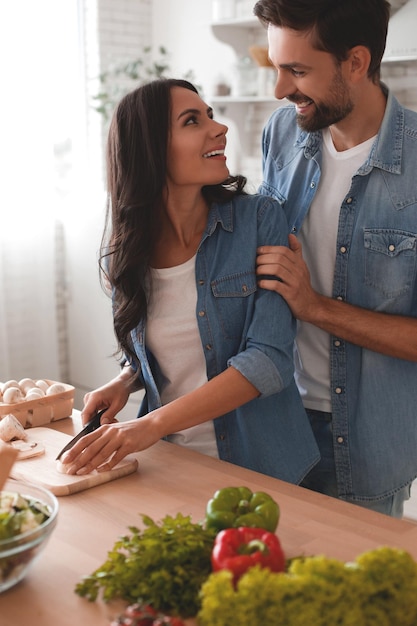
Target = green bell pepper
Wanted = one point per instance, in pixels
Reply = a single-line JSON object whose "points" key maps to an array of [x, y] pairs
{"points": [[232, 507]]}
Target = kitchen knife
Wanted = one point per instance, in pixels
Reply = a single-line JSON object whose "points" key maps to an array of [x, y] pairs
{"points": [[92, 425]]}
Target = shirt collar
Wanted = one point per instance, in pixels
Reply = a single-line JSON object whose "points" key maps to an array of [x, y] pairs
{"points": [[220, 214], [386, 152]]}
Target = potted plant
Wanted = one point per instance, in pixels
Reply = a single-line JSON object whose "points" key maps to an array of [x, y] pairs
{"points": [[121, 78]]}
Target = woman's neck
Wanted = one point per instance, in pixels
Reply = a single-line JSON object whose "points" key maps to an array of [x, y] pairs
{"points": [[182, 227]]}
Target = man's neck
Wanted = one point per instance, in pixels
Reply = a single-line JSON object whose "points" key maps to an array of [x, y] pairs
{"points": [[363, 122]]}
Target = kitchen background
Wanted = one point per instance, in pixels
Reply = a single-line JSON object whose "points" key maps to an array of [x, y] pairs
{"points": [[55, 322]]}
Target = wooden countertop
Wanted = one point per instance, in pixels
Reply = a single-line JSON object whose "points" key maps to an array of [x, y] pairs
{"points": [[171, 480]]}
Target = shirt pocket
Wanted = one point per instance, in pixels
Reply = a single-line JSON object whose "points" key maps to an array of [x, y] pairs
{"points": [[390, 261], [232, 297]]}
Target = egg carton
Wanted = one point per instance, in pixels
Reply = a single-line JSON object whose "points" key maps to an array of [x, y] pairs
{"points": [[42, 411]]}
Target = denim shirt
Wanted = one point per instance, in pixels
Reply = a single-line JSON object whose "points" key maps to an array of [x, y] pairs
{"points": [[252, 330], [374, 397]]}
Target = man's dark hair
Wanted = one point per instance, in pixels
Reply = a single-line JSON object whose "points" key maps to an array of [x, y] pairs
{"points": [[337, 25]]}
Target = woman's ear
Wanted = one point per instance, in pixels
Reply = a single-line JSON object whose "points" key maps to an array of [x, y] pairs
{"points": [[358, 61]]}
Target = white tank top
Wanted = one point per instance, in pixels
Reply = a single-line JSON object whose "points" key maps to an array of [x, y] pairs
{"points": [[173, 338], [318, 236]]}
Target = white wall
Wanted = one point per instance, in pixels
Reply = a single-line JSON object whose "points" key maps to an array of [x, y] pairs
{"points": [[184, 28]]}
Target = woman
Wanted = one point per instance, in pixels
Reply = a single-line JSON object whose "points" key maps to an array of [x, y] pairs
{"points": [[213, 352]]}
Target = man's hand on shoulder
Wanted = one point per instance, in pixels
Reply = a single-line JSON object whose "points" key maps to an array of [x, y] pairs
{"points": [[284, 270]]}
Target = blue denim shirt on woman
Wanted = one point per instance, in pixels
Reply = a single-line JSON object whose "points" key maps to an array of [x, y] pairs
{"points": [[252, 330], [374, 397]]}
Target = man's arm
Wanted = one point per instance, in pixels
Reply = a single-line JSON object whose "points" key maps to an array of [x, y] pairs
{"points": [[393, 335]]}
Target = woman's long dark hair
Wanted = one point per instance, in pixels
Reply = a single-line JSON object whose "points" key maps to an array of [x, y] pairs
{"points": [[136, 178]]}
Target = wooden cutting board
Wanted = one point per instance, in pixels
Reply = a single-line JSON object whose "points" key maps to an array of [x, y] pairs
{"points": [[42, 469]]}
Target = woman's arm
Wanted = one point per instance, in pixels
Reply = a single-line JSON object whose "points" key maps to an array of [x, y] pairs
{"points": [[108, 445], [263, 366]]}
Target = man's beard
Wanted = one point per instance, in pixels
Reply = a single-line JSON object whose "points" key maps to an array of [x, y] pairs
{"points": [[338, 106]]}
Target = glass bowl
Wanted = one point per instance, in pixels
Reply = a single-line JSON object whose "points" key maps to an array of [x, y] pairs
{"points": [[18, 553]]}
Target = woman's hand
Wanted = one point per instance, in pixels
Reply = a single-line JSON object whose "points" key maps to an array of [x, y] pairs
{"points": [[112, 397], [108, 445], [104, 448]]}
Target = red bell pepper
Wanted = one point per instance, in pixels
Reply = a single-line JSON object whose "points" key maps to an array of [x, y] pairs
{"points": [[238, 549]]}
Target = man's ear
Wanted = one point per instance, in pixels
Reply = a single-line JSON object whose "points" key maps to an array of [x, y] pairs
{"points": [[358, 61]]}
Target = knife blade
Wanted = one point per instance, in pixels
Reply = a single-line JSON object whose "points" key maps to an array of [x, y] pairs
{"points": [[92, 425]]}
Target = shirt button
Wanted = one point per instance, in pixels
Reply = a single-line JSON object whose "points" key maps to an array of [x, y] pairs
{"points": [[244, 288], [337, 343], [222, 437], [349, 200], [312, 185], [342, 249], [338, 390], [201, 282], [340, 440], [208, 346], [391, 247], [339, 298], [201, 313]]}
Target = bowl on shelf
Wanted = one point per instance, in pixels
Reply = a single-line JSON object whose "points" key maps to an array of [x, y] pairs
{"points": [[28, 514]]}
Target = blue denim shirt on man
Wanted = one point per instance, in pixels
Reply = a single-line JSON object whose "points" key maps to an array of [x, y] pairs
{"points": [[374, 397], [252, 330]]}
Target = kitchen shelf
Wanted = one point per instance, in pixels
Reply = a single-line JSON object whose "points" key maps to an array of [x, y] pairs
{"points": [[245, 22], [240, 33], [242, 99]]}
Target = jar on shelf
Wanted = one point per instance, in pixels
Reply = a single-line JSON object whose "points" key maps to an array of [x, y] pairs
{"points": [[266, 80], [222, 86], [245, 81]]}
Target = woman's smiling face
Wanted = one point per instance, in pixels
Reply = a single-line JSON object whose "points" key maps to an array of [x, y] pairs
{"points": [[196, 143]]}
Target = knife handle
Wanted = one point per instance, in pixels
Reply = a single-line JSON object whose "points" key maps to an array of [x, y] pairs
{"points": [[94, 423]]}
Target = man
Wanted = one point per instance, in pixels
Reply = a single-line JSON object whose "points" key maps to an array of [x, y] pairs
{"points": [[342, 161]]}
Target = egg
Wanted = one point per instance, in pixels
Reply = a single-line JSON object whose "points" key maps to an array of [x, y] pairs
{"points": [[8, 384], [12, 395], [55, 388], [34, 394], [42, 384], [25, 384]]}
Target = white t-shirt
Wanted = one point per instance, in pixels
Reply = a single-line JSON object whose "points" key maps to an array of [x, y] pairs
{"points": [[318, 236], [173, 338]]}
